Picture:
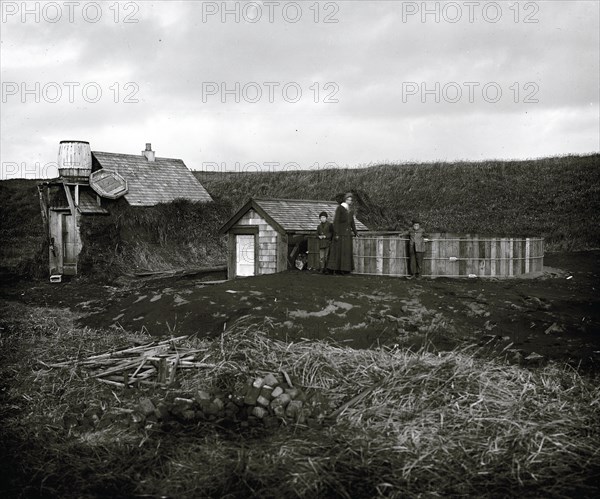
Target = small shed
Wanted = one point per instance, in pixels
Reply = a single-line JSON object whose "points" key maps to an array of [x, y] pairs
{"points": [[63, 205], [265, 235]]}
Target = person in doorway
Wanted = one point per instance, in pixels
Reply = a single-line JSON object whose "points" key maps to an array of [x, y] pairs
{"points": [[301, 262], [324, 237], [416, 248], [340, 256]]}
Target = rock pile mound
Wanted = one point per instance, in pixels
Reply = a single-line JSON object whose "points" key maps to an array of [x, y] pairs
{"points": [[270, 401]]}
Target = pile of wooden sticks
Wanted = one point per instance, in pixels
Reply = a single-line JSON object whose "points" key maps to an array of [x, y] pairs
{"points": [[153, 363]]}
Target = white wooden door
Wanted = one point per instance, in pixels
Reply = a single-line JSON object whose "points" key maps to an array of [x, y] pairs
{"points": [[244, 258]]}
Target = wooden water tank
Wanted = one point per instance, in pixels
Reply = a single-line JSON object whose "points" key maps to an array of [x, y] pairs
{"points": [[450, 255], [74, 160]]}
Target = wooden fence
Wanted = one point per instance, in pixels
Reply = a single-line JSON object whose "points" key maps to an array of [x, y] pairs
{"points": [[450, 255]]}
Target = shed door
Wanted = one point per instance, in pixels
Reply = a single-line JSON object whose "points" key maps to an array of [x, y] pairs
{"points": [[244, 258], [71, 247]]}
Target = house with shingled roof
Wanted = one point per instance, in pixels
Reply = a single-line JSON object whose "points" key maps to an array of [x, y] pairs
{"points": [[265, 235], [152, 180], [90, 184]]}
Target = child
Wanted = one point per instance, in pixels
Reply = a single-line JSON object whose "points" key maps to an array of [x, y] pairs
{"points": [[301, 261], [416, 248], [324, 236]]}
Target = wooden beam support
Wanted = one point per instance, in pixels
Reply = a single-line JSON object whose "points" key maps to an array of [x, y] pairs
{"points": [[70, 200]]}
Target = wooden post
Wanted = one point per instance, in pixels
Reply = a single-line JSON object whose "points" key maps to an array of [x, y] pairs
{"points": [[379, 257], [395, 267], [502, 256], [462, 255], [368, 252], [431, 250], [356, 252], [386, 254], [443, 253], [482, 258], [487, 257], [401, 248], [70, 199], [493, 256], [511, 271]]}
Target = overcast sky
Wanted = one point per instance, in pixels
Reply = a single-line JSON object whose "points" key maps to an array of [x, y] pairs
{"points": [[232, 86]]}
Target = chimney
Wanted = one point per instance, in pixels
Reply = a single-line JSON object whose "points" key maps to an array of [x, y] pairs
{"points": [[148, 153]]}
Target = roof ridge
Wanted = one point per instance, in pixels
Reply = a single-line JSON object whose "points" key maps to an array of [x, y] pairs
{"points": [[136, 155], [296, 200]]}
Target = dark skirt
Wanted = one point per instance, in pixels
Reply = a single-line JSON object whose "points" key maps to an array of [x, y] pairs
{"points": [[340, 255]]}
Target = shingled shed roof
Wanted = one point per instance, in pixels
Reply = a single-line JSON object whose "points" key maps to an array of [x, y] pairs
{"points": [[289, 215], [152, 182], [88, 205]]}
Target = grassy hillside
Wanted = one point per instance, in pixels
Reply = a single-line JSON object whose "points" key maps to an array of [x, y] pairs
{"points": [[557, 198], [168, 236], [21, 230]]}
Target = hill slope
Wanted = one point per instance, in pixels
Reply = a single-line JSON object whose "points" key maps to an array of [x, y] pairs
{"points": [[557, 198]]}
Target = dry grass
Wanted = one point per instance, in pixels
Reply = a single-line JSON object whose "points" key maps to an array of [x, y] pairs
{"points": [[450, 424]]}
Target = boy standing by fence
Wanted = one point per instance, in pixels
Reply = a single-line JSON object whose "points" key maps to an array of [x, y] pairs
{"points": [[416, 248], [324, 237]]}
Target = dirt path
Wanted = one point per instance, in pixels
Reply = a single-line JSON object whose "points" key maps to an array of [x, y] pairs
{"points": [[556, 316]]}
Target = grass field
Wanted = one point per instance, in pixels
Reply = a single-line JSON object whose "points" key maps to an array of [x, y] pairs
{"points": [[446, 424]]}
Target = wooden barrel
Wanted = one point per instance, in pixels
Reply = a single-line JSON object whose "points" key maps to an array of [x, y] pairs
{"points": [[450, 255], [74, 160]]}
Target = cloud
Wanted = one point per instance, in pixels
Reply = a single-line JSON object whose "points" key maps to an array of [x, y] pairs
{"points": [[395, 79]]}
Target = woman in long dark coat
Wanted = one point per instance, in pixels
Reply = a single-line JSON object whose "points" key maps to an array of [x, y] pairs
{"points": [[340, 255]]}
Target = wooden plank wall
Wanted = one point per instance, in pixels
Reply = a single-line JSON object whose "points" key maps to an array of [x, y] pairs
{"points": [[267, 242], [71, 242], [450, 255], [313, 252], [282, 252], [56, 249]]}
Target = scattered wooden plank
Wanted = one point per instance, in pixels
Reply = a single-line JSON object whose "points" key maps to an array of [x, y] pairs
{"points": [[120, 368], [139, 367]]}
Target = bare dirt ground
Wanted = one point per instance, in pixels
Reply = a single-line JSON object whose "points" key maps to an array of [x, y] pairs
{"points": [[555, 316]]}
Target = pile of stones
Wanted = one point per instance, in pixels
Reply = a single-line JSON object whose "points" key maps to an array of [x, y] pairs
{"points": [[269, 401]]}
